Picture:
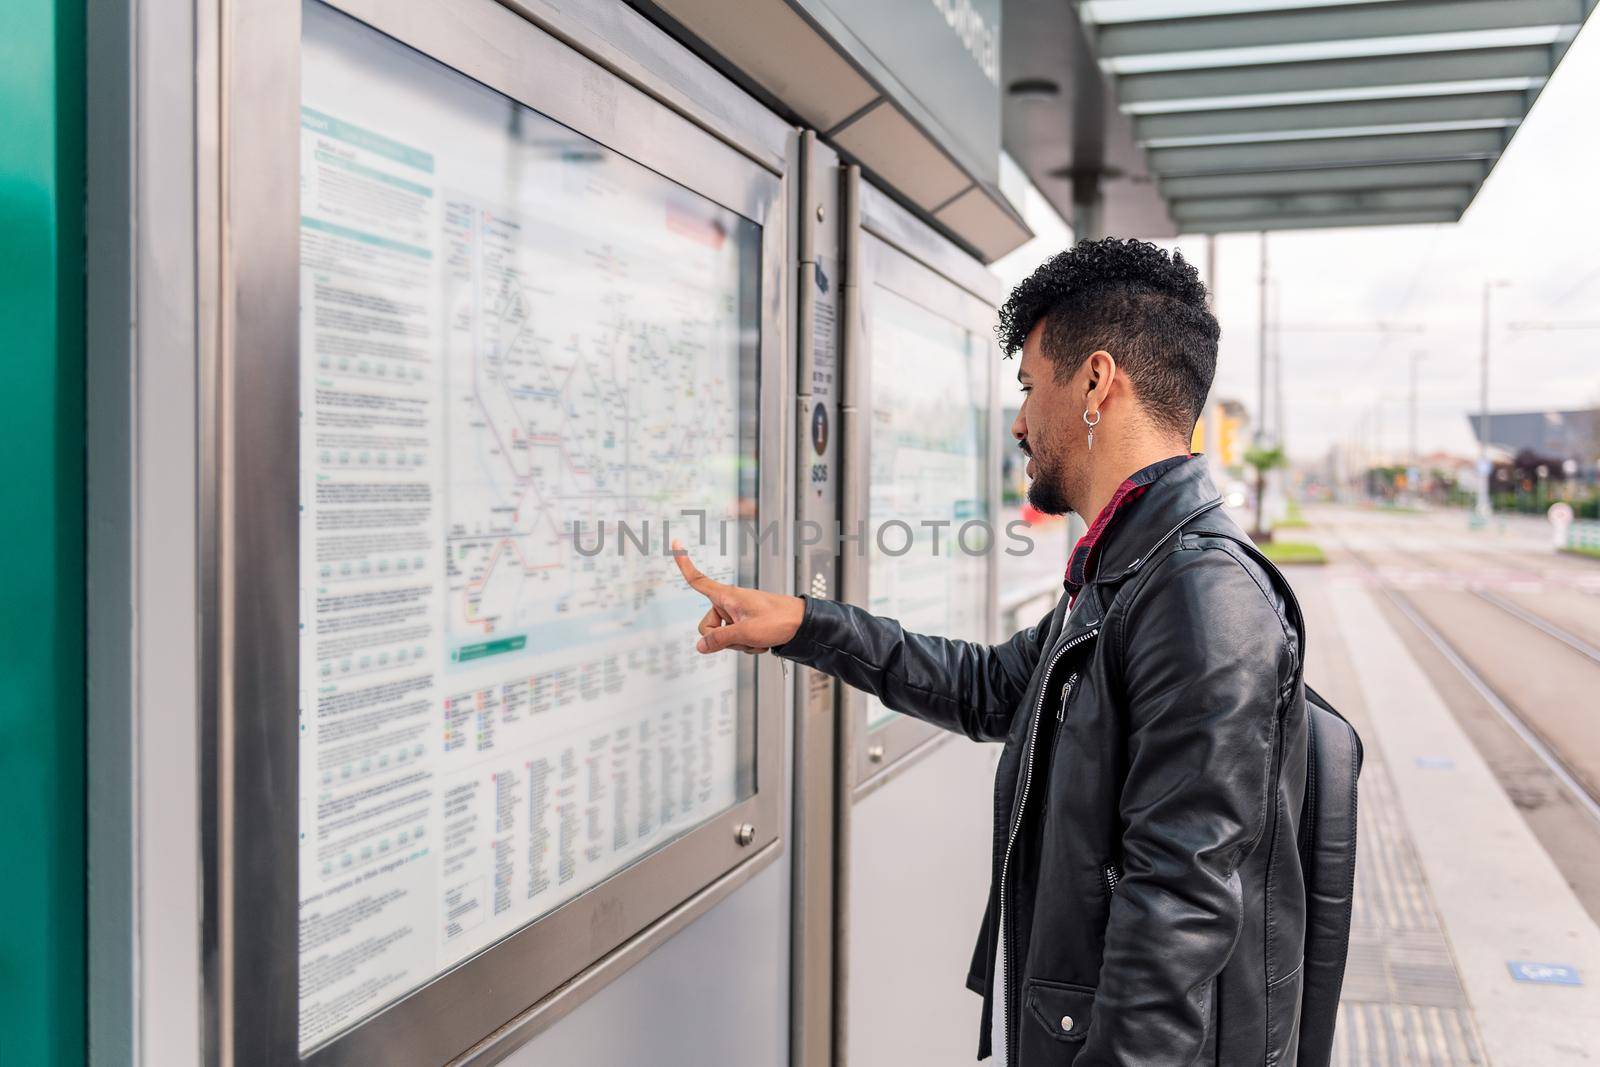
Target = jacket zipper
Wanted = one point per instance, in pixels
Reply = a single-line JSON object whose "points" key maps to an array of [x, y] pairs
{"points": [[1066, 695], [1113, 876], [1016, 824]]}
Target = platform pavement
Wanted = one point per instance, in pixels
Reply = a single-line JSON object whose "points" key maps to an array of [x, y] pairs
{"points": [[1451, 886]]}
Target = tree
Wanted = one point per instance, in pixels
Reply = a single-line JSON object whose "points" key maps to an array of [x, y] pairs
{"points": [[1262, 460]]}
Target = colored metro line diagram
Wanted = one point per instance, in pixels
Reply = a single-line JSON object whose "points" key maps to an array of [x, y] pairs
{"points": [[586, 386]]}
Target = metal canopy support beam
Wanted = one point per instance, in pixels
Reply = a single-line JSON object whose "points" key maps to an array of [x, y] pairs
{"points": [[1469, 172], [1198, 214], [1337, 23], [1296, 118], [1331, 152], [1323, 222], [1334, 75]]}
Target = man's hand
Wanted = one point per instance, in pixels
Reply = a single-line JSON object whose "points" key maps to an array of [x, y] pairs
{"points": [[744, 619]]}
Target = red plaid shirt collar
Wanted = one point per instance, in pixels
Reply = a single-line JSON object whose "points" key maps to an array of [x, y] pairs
{"points": [[1087, 550]]}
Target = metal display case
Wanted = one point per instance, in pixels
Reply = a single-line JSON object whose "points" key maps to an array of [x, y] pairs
{"points": [[922, 454], [480, 291]]}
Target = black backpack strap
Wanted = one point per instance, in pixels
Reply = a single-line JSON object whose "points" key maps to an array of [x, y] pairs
{"points": [[1190, 524], [1327, 843], [1285, 590], [1328, 863]]}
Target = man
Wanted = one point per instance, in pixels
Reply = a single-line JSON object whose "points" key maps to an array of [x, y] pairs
{"points": [[1147, 905]]}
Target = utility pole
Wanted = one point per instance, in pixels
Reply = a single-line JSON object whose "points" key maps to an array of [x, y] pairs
{"points": [[1363, 457], [1416, 456], [1484, 507], [1483, 416], [1261, 352], [1277, 368], [1211, 418]]}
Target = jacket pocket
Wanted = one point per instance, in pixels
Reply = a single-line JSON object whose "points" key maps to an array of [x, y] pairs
{"points": [[1283, 1019], [1055, 1023]]}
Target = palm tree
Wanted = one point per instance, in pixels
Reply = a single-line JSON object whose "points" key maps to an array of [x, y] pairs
{"points": [[1262, 459]]}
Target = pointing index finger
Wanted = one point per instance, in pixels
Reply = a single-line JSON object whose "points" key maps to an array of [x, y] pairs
{"points": [[691, 574]]}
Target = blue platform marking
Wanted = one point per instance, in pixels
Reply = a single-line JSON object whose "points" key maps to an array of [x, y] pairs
{"points": [[1544, 973]]}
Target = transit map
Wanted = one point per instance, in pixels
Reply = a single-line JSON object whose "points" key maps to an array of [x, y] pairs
{"points": [[512, 341]]}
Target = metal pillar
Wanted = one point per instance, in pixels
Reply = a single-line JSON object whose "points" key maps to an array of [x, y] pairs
{"points": [[1088, 220], [1088, 203]]}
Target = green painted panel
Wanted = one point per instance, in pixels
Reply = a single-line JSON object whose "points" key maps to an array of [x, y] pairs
{"points": [[42, 1007]]}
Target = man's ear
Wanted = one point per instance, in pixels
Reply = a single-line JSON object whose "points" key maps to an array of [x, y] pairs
{"points": [[1102, 372]]}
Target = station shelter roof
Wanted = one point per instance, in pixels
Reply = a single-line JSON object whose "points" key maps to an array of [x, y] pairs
{"points": [[1208, 116]]}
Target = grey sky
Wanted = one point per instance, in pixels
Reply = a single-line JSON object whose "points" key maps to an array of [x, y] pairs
{"points": [[1535, 223]]}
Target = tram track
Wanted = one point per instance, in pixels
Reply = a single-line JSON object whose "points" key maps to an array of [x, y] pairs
{"points": [[1517, 611], [1543, 747], [1566, 637]]}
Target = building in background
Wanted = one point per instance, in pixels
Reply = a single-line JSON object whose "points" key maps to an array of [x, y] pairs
{"points": [[1223, 433], [1555, 436], [1538, 457]]}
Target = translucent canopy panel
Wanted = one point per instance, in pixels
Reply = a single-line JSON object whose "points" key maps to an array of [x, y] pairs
{"points": [[1264, 114]]}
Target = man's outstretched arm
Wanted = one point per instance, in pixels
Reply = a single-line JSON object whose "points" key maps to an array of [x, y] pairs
{"points": [[962, 686]]}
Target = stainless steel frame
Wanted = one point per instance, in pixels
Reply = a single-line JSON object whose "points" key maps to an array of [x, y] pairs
{"points": [[884, 218], [486, 1005], [815, 839], [145, 105], [885, 244], [853, 471], [899, 252]]}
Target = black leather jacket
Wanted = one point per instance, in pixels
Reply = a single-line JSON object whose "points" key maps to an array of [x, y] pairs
{"points": [[1148, 798]]}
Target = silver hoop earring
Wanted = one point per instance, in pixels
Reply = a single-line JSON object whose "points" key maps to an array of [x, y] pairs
{"points": [[1091, 425]]}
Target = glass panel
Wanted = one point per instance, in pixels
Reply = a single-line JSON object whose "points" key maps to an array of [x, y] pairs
{"points": [[1034, 567], [926, 566], [512, 340]]}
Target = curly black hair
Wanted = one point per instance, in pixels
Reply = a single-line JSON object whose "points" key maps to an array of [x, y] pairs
{"points": [[1134, 300]]}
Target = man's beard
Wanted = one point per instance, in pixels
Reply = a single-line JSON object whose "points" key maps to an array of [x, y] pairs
{"points": [[1045, 492]]}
